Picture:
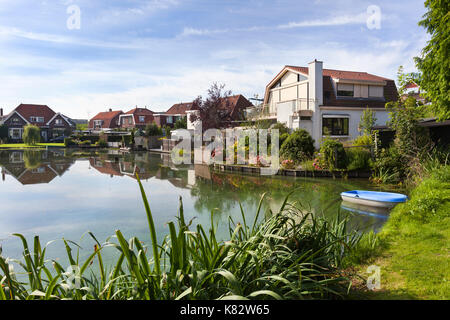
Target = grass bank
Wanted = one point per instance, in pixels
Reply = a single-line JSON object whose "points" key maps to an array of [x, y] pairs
{"points": [[413, 248], [25, 146], [289, 255]]}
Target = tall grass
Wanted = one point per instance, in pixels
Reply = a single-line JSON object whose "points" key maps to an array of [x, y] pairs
{"points": [[289, 255]]}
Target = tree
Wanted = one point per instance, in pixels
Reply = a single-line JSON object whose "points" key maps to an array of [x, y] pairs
{"points": [[3, 132], [434, 62], [214, 111], [367, 122], [410, 139], [31, 134]]}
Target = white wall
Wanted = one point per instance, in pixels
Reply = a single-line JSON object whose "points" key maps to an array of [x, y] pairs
{"points": [[354, 119]]}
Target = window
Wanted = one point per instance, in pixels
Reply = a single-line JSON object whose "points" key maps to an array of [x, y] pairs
{"points": [[335, 126], [15, 120], [376, 91], [345, 90], [37, 119], [277, 84], [305, 118], [15, 133], [98, 123], [141, 118], [169, 119], [58, 133], [58, 122]]}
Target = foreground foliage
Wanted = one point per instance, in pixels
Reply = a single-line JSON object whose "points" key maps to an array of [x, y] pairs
{"points": [[289, 255], [412, 248]]}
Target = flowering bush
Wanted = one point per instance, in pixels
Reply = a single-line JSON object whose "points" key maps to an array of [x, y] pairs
{"points": [[316, 164], [287, 164]]}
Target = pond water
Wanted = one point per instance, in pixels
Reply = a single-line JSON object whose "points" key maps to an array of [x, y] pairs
{"points": [[65, 193]]}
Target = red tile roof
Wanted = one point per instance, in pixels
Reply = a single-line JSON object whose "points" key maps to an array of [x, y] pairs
{"points": [[411, 85], [180, 108], [107, 118], [35, 110], [342, 74], [140, 111]]}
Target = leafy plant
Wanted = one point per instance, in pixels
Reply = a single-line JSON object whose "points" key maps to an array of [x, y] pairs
{"points": [[358, 158], [153, 129], [298, 146], [31, 134], [289, 255], [332, 154]]}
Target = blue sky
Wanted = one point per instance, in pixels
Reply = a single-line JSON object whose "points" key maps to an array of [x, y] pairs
{"points": [[156, 53]]}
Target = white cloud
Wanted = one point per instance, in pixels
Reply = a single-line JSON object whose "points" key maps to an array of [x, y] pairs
{"points": [[332, 21]]}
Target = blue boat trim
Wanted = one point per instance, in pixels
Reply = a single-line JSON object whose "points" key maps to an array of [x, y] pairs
{"points": [[376, 196]]}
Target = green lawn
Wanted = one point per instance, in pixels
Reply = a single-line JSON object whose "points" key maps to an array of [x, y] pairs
{"points": [[24, 146], [414, 245]]}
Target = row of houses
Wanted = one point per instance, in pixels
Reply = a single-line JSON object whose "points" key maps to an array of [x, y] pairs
{"points": [[141, 117], [322, 101]]}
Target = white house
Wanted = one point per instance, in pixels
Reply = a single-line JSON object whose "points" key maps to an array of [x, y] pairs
{"points": [[325, 101]]}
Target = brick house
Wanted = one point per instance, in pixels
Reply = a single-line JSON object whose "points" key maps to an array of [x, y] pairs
{"points": [[51, 124], [105, 120], [136, 118], [176, 112]]}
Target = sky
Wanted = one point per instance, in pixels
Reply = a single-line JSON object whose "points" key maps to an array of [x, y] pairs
{"points": [[81, 57]]}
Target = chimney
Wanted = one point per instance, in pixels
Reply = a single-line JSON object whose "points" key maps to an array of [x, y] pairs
{"points": [[110, 110], [315, 73], [1, 112]]}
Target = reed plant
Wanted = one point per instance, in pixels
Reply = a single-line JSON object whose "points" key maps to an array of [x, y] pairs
{"points": [[289, 254]]}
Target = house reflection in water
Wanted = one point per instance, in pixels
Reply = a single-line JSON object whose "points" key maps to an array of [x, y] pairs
{"points": [[34, 166], [147, 166]]}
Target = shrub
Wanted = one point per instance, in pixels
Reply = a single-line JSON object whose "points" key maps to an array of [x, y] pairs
{"points": [[363, 141], [181, 123], [332, 154], [31, 134], [288, 164], [283, 138], [3, 132], [102, 143], [69, 142], [152, 130], [389, 166], [85, 143], [282, 128], [358, 159], [298, 146]]}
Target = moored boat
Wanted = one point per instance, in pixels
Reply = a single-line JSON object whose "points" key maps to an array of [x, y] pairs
{"points": [[374, 198]]}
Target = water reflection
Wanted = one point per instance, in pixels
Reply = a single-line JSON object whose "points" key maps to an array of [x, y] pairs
{"points": [[64, 193], [34, 166]]}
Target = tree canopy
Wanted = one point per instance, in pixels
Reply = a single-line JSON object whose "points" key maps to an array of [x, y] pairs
{"points": [[434, 62]]}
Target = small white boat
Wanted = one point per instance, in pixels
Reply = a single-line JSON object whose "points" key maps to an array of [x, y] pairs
{"points": [[374, 198]]}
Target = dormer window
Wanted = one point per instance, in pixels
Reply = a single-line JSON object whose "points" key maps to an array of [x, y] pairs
{"points": [[37, 119], [345, 90]]}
